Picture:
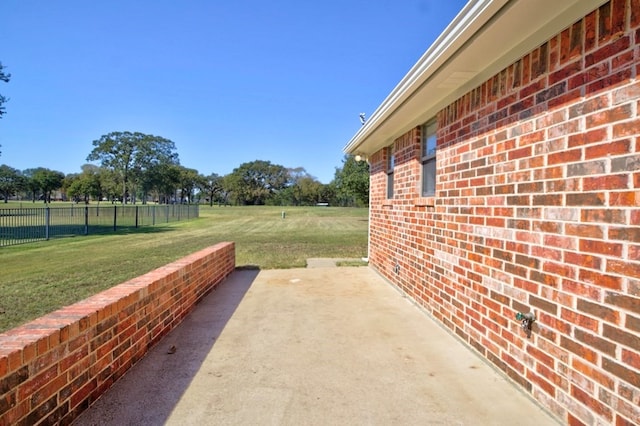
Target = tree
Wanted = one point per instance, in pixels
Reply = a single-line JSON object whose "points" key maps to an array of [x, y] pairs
{"points": [[85, 185], [110, 184], [11, 181], [30, 185], [3, 77], [76, 188], [188, 181], [310, 191], [352, 182], [303, 189], [47, 181], [131, 155], [162, 182], [257, 181], [328, 194], [212, 187], [226, 189]]}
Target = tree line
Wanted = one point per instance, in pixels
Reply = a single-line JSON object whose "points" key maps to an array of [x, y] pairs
{"points": [[133, 167]]}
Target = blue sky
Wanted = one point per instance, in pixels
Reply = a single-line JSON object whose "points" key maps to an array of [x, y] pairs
{"points": [[228, 81]]}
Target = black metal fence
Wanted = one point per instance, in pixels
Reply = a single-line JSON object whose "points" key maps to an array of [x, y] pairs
{"points": [[23, 225]]}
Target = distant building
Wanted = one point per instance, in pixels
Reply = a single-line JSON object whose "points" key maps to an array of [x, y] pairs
{"points": [[505, 179]]}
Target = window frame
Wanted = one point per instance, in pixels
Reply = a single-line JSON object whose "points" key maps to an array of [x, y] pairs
{"points": [[428, 158], [390, 166]]}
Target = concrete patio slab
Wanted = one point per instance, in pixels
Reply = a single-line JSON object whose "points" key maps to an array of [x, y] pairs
{"points": [[312, 346], [326, 262]]}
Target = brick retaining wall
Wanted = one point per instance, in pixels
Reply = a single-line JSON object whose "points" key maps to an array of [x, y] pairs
{"points": [[53, 368], [537, 207]]}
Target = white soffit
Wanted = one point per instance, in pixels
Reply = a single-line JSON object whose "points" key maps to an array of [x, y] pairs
{"points": [[483, 39]]}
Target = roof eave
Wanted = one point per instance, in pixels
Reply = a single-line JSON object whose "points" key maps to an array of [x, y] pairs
{"points": [[471, 49]]}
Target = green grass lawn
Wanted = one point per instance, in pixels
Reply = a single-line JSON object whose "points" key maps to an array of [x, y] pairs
{"points": [[41, 277]]}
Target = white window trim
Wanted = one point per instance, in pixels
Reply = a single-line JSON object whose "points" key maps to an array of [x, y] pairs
{"points": [[430, 128]]}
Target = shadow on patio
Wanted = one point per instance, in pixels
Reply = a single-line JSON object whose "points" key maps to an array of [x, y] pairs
{"points": [[311, 346]]}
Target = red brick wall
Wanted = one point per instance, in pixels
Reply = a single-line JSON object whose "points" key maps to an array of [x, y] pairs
{"points": [[53, 368], [537, 208]]}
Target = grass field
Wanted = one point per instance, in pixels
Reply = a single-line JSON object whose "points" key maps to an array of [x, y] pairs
{"points": [[38, 278]]}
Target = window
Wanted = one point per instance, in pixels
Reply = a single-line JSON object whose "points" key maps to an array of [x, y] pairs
{"points": [[391, 160], [428, 159]]}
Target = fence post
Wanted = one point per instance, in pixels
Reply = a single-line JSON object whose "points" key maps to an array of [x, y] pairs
{"points": [[115, 216], [86, 220], [136, 217], [153, 214], [47, 223]]}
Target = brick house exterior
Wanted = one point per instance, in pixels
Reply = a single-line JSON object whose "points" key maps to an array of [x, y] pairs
{"points": [[536, 205]]}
